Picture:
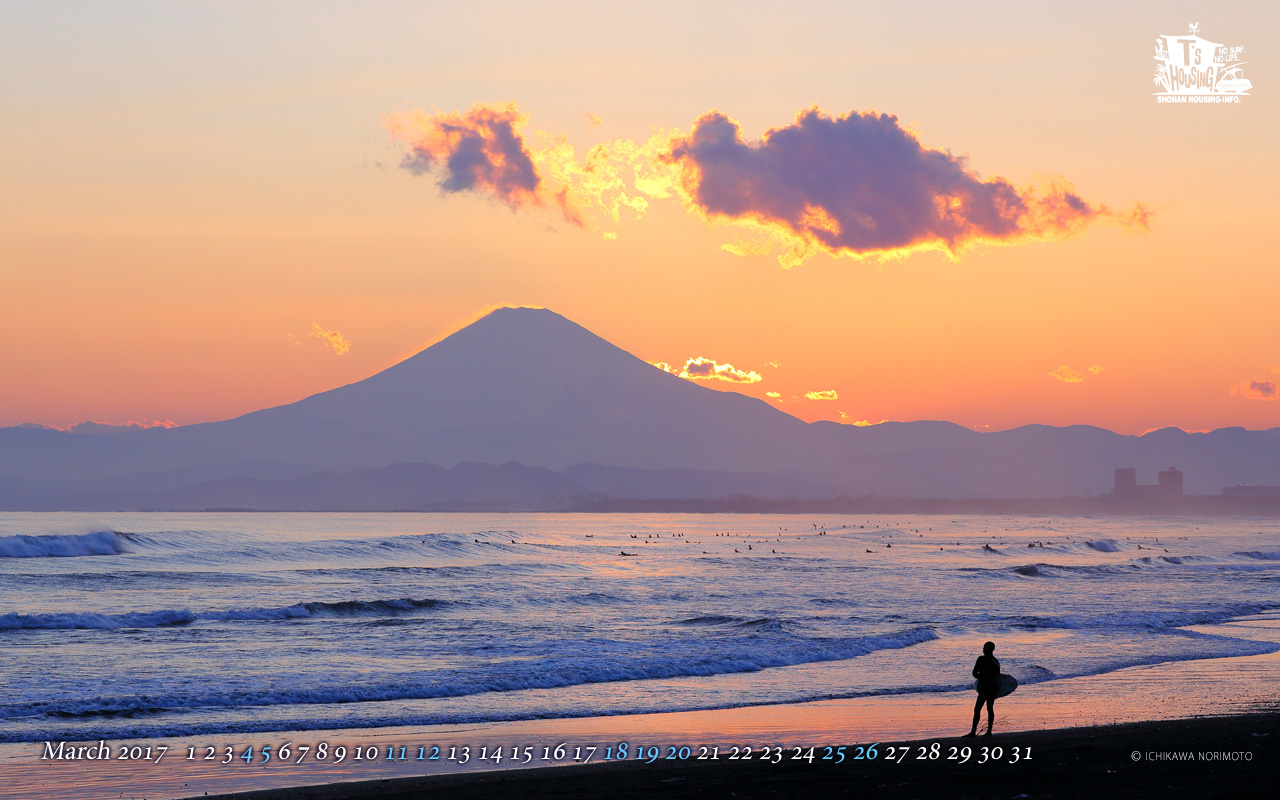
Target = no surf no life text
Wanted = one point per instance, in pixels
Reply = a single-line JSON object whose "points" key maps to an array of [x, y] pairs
{"points": [[519, 755]]}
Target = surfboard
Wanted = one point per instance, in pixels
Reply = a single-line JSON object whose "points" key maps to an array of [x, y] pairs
{"points": [[1005, 685]]}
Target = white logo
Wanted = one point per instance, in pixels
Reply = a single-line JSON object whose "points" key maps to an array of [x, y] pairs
{"points": [[1194, 70]]}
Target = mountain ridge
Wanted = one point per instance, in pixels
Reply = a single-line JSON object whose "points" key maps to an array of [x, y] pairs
{"points": [[532, 387]]}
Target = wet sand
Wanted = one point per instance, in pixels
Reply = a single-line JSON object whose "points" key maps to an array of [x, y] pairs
{"points": [[1082, 731], [1207, 757]]}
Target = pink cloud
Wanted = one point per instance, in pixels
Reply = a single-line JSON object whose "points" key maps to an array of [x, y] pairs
{"points": [[1257, 390], [861, 184], [482, 150]]}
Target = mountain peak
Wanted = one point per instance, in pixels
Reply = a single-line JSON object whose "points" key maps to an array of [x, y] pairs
{"points": [[532, 344], [528, 385], [529, 312], [515, 322]]}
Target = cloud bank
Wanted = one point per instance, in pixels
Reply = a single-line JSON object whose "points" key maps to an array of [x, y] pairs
{"points": [[858, 185]]}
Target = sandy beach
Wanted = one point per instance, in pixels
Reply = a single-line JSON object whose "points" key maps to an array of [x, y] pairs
{"points": [[661, 669], [1207, 757], [1082, 731]]}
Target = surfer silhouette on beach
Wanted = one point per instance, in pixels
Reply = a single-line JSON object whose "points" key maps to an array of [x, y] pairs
{"points": [[987, 671]]}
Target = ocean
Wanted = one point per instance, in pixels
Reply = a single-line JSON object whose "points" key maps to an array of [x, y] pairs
{"points": [[124, 626]]}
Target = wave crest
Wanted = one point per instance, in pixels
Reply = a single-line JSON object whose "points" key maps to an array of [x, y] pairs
{"points": [[743, 655], [98, 543], [169, 617], [1104, 545]]}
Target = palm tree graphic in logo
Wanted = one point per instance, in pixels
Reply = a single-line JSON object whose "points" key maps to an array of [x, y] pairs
{"points": [[1162, 79]]}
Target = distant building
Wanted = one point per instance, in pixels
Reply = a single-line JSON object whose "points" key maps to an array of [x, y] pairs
{"points": [[1170, 481], [1250, 490], [1168, 484]]}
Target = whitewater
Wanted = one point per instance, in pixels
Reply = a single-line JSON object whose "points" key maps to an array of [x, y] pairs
{"points": [[144, 625]]}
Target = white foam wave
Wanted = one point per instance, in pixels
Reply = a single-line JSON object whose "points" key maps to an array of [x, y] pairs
{"points": [[342, 608], [1155, 621], [98, 543], [749, 654], [100, 718]]}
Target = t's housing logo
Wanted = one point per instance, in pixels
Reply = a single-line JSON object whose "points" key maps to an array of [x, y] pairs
{"points": [[1194, 70]]}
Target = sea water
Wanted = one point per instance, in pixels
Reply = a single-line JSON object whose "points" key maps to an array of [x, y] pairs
{"points": [[117, 626]]}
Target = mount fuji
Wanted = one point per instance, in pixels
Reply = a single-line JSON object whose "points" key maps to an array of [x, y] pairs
{"points": [[529, 386]]}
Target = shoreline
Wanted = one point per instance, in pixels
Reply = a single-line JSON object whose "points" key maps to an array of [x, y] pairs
{"points": [[1163, 705], [1107, 676], [1234, 756]]}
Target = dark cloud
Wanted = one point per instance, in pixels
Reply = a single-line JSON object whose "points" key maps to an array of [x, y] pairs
{"points": [[482, 150], [861, 184], [1257, 390], [857, 185]]}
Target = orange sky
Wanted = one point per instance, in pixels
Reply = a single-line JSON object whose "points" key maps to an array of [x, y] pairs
{"points": [[191, 192]]}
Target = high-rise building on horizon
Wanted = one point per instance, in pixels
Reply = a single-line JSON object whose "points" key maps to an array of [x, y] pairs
{"points": [[1168, 483]]}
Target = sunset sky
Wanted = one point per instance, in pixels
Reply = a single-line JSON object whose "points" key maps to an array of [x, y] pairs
{"points": [[207, 208]]}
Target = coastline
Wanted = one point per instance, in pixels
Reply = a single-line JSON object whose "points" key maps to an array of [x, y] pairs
{"points": [[1159, 707], [1205, 757], [1103, 669]]}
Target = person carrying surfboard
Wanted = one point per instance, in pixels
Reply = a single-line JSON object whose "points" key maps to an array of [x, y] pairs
{"points": [[987, 671]]}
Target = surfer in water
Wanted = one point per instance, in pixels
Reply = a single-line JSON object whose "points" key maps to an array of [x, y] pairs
{"points": [[987, 671]]}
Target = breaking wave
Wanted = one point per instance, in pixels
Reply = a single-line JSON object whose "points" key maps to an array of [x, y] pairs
{"points": [[1154, 621], [99, 543], [748, 654], [1260, 555], [167, 618]]}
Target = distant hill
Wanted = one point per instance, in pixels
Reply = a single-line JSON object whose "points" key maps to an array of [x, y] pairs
{"points": [[529, 386], [414, 487], [520, 384]]}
